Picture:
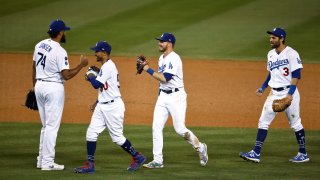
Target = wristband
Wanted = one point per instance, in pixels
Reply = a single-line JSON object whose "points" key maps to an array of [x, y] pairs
{"points": [[150, 71], [292, 89]]}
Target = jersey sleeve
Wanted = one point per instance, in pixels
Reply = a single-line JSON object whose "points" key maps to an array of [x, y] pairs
{"points": [[62, 60], [104, 74], [295, 61]]}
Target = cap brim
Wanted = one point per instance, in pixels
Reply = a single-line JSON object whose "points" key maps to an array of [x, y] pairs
{"points": [[94, 48], [67, 28], [270, 32], [159, 39]]}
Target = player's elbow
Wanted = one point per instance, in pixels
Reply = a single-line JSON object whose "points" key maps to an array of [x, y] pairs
{"points": [[66, 74]]}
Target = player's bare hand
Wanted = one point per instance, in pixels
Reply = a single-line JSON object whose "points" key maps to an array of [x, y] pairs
{"points": [[259, 92], [83, 61], [290, 98]]}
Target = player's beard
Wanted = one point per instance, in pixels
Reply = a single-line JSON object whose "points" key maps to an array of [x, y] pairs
{"points": [[63, 39], [162, 48], [275, 44]]}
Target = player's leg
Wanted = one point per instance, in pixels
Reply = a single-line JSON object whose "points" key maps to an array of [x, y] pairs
{"points": [[177, 107], [160, 117], [97, 125], [41, 104], [53, 113], [266, 118], [293, 114], [114, 117]]}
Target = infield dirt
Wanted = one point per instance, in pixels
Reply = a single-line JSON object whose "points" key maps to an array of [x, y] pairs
{"points": [[220, 93]]}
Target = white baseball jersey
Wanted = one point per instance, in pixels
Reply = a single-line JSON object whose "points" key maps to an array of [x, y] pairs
{"points": [[50, 59], [171, 64], [109, 76], [281, 65]]}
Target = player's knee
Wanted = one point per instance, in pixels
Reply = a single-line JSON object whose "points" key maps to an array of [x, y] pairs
{"points": [[263, 125], [119, 140], [91, 136], [296, 126], [183, 132]]}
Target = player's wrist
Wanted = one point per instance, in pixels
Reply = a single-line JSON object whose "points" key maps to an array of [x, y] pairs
{"points": [[292, 89], [150, 71]]}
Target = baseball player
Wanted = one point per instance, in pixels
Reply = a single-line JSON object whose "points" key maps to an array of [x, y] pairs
{"points": [[108, 111], [284, 66], [50, 70], [172, 100]]}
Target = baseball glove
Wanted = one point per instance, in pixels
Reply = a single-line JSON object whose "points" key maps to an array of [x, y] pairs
{"points": [[280, 105], [92, 71], [31, 101], [141, 62]]}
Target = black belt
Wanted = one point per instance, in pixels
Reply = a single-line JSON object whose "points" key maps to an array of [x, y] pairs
{"points": [[107, 102], [281, 88], [170, 91], [48, 81]]}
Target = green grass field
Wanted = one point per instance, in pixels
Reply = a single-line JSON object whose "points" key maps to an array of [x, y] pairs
{"points": [[19, 147], [206, 29]]}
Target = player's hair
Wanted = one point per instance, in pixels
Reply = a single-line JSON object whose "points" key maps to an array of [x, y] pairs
{"points": [[53, 34]]}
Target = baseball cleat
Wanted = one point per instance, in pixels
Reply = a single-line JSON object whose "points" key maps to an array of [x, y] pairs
{"points": [[203, 155], [250, 156], [136, 162], [53, 167], [87, 169], [300, 158], [153, 165]]}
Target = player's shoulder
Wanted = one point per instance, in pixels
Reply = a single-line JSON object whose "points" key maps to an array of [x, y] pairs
{"points": [[272, 51], [174, 56]]}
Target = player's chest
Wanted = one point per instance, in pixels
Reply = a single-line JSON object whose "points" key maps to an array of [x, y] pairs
{"points": [[279, 65]]}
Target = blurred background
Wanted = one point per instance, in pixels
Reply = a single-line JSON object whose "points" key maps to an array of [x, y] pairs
{"points": [[205, 29]]}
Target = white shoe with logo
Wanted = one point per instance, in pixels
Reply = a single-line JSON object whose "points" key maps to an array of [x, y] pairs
{"points": [[203, 155], [52, 167]]}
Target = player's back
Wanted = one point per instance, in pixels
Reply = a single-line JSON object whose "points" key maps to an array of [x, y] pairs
{"points": [[50, 59]]}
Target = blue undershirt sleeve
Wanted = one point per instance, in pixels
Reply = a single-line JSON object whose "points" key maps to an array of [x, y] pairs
{"points": [[168, 76], [296, 74], [96, 84]]}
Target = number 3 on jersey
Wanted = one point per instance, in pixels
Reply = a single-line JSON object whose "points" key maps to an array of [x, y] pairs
{"points": [[286, 71], [42, 60]]}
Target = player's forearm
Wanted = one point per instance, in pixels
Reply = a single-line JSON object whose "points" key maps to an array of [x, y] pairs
{"points": [[158, 76], [70, 73]]}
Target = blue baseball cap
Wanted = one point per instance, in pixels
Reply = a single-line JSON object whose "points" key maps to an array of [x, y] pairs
{"points": [[57, 26], [102, 46], [279, 32], [167, 37]]}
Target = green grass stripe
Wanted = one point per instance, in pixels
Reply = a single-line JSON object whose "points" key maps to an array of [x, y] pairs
{"points": [[19, 147]]}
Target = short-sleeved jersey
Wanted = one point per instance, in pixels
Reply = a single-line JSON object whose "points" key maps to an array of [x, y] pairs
{"points": [[108, 76], [171, 64], [282, 65], [50, 59]]}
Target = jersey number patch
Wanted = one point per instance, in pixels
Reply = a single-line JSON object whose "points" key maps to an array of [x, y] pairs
{"points": [[42, 60], [286, 71]]}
